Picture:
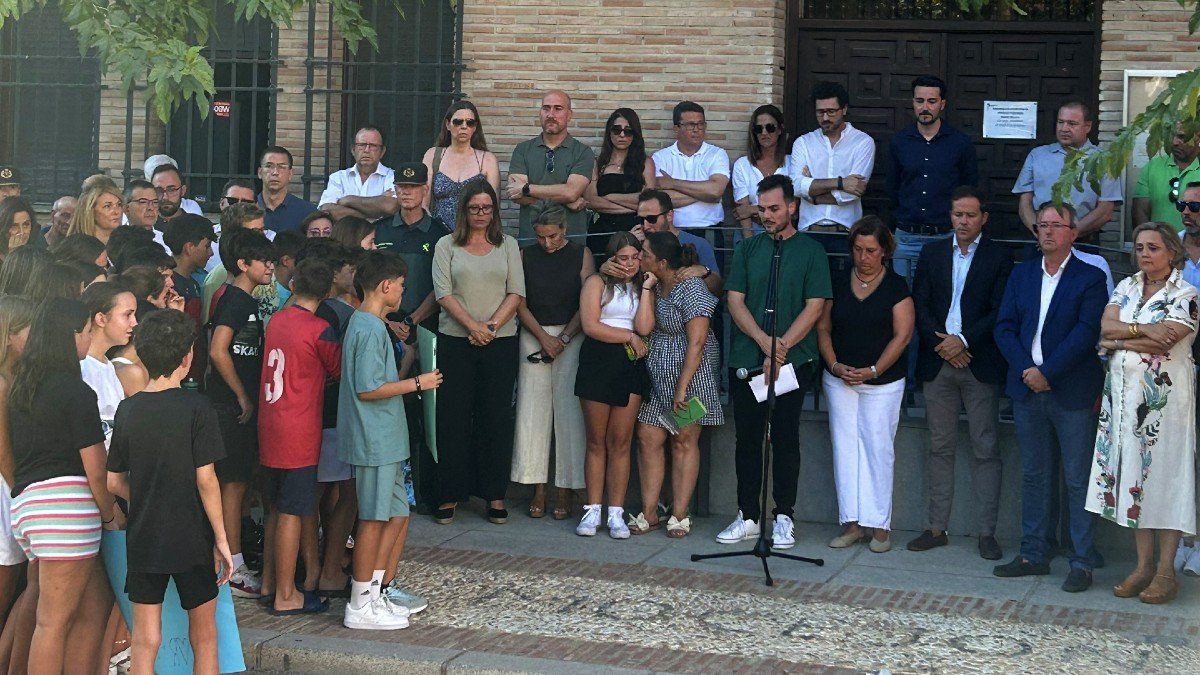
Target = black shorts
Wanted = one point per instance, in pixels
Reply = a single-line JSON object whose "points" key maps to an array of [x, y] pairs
{"points": [[291, 491], [606, 375], [196, 586], [241, 445]]}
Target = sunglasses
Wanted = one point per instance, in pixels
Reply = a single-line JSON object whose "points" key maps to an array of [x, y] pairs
{"points": [[768, 128], [549, 160], [238, 200], [1174, 194], [539, 357], [618, 130], [464, 122], [1194, 207], [652, 218]]}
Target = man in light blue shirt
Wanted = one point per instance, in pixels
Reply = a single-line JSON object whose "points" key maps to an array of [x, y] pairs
{"points": [[1190, 197], [1044, 164]]}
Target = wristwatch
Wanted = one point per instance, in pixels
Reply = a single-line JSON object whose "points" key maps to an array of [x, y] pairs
{"points": [[525, 189], [564, 338], [707, 272], [407, 321]]}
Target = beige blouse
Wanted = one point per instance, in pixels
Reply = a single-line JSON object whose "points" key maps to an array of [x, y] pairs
{"points": [[480, 282]]}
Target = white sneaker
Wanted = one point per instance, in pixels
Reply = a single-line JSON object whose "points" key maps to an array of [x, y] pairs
{"points": [[1182, 553], [397, 596], [617, 529], [783, 535], [590, 521], [739, 530], [1191, 566], [245, 584], [375, 615]]}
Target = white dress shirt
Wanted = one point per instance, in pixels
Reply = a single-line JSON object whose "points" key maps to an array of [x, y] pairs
{"points": [[1049, 285], [347, 182], [814, 158], [962, 266], [708, 161], [746, 177]]}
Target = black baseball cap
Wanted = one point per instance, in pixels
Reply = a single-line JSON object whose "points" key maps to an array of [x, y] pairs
{"points": [[10, 176], [411, 173]]}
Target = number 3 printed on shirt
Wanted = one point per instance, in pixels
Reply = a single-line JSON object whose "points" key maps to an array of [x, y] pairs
{"points": [[273, 389]]}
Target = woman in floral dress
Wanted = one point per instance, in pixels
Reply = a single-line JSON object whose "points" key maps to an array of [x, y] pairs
{"points": [[1142, 477]]}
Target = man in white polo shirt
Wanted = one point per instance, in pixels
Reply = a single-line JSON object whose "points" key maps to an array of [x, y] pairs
{"points": [[366, 189], [694, 173]]}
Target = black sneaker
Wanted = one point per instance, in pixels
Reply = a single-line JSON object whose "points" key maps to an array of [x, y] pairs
{"points": [[989, 548], [1019, 567], [926, 541], [1078, 580]]}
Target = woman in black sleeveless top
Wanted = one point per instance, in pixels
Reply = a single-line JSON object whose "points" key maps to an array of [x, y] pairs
{"points": [[547, 409], [622, 171]]}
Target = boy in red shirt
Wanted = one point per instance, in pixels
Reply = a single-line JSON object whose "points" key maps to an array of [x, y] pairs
{"points": [[301, 352]]}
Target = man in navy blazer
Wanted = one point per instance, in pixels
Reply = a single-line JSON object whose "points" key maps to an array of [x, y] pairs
{"points": [[957, 291], [1048, 329]]}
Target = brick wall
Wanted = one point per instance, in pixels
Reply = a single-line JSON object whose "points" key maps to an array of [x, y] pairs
{"points": [[146, 131], [644, 54]]}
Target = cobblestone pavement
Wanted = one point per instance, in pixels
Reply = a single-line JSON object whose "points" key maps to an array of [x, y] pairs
{"points": [[676, 618]]}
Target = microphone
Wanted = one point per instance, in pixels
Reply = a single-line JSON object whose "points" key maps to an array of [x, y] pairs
{"points": [[747, 373]]}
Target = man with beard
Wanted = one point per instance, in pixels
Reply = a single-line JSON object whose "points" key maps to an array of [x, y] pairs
{"points": [[1188, 206], [831, 164], [928, 161], [553, 166], [1043, 165], [168, 184], [1164, 177]]}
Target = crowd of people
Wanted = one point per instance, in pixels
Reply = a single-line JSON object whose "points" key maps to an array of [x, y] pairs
{"points": [[161, 374]]}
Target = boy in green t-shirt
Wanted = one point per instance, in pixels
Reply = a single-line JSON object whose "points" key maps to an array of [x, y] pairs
{"points": [[373, 437]]}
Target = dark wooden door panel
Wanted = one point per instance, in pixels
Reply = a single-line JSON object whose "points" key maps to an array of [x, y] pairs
{"points": [[878, 66]]}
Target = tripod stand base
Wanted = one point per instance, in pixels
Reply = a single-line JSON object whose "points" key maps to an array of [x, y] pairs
{"points": [[762, 550]]}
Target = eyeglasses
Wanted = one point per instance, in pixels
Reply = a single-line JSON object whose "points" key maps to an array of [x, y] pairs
{"points": [[143, 203], [652, 218], [477, 210], [539, 357], [1174, 194], [238, 200], [768, 128], [618, 130], [549, 160], [693, 126], [1194, 207], [1052, 226], [464, 122], [168, 190], [368, 146], [828, 112], [271, 168]]}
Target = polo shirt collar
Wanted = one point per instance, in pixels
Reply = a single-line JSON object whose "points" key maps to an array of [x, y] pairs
{"points": [[700, 151], [262, 202], [353, 171], [424, 224], [541, 141]]}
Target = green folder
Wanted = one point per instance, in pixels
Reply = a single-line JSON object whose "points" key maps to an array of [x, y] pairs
{"points": [[427, 345]]}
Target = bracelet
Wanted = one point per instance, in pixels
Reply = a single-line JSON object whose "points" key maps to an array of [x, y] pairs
{"points": [[1134, 330], [874, 373], [1120, 343], [839, 182], [417, 380], [114, 517]]}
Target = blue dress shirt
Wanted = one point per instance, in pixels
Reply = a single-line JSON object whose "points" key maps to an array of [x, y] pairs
{"points": [[924, 173]]}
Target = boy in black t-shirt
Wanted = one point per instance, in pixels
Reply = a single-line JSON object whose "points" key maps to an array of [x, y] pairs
{"points": [[235, 352], [161, 461]]}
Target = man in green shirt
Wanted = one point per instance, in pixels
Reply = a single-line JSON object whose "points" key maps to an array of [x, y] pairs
{"points": [[552, 166], [1163, 178], [413, 233], [804, 287]]}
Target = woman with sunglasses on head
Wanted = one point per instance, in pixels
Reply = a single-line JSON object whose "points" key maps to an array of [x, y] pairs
{"points": [[458, 158], [547, 414], [478, 281], [622, 171], [766, 155]]}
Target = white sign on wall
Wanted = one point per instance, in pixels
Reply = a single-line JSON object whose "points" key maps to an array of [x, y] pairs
{"points": [[1010, 119]]}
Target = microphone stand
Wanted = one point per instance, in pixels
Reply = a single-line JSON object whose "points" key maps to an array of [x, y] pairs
{"points": [[762, 547]]}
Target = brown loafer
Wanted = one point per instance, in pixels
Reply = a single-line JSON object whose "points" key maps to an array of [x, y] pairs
{"points": [[1132, 585], [1160, 591]]}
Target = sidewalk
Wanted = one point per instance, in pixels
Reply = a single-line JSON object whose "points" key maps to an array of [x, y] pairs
{"points": [[530, 596]]}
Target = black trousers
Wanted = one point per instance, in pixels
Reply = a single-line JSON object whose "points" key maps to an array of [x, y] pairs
{"points": [[750, 419], [475, 418]]}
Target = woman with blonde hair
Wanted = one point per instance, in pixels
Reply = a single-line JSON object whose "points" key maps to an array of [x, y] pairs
{"points": [[99, 212]]}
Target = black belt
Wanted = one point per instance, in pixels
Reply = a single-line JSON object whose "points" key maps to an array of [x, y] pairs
{"points": [[925, 229]]}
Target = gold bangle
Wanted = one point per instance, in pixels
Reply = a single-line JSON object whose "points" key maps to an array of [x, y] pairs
{"points": [[1134, 330]]}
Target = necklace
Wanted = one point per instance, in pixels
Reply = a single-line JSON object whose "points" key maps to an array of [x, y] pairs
{"points": [[864, 284]]}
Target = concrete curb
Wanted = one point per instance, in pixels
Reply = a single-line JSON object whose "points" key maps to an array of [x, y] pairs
{"points": [[298, 653]]}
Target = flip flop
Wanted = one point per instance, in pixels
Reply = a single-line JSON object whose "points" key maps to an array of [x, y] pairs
{"points": [[313, 604]]}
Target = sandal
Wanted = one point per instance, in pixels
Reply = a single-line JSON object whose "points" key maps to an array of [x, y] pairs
{"points": [[678, 529], [1132, 585], [562, 510], [1160, 592], [537, 510], [313, 604], [639, 525]]}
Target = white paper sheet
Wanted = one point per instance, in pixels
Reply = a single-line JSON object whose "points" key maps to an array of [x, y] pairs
{"points": [[785, 383]]}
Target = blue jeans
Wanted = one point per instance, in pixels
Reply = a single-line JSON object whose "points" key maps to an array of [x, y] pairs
{"points": [[908, 249], [1043, 430]]}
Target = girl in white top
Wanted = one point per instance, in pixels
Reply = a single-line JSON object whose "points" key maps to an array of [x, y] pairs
{"points": [[610, 381], [113, 310], [766, 154]]}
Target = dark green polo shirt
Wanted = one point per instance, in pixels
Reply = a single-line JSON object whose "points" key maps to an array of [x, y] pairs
{"points": [[803, 275], [570, 157], [415, 244]]}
